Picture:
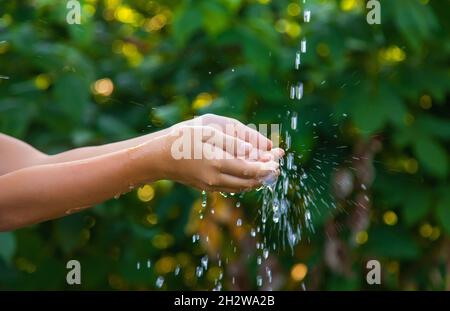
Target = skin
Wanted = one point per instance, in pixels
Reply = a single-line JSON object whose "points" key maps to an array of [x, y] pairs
{"points": [[35, 187]]}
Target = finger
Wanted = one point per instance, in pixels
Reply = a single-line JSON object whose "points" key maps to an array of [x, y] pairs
{"points": [[231, 145], [252, 136], [235, 128], [248, 169], [272, 155], [238, 184], [277, 153]]}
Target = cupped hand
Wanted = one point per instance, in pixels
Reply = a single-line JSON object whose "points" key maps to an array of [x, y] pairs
{"points": [[207, 158]]}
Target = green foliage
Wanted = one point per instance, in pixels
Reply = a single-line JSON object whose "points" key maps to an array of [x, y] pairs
{"points": [[391, 79]]}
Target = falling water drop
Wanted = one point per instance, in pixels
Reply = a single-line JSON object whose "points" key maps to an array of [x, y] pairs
{"points": [[303, 46], [292, 93], [289, 161], [307, 16], [199, 272], [259, 281], [294, 119], [297, 60], [239, 222], [204, 262], [258, 260], [159, 281], [204, 198], [299, 91]]}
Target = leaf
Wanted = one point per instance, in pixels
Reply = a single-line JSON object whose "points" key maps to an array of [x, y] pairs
{"points": [[437, 127], [373, 107], [69, 230], [215, 17], [432, 156], [15, 116], [416, 205], [7, 246], [71, 95], [391, 243], [443, 212], [114, 127], [186, 22], [368, 115]]}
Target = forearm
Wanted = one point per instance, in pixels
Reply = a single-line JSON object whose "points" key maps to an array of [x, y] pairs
{"points": [[44, 192], [94, 151]]}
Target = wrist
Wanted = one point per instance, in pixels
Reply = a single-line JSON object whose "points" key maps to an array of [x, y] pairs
{"points": [[148, 161]]}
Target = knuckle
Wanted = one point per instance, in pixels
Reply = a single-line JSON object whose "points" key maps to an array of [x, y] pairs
{"points": [[217, 164]]}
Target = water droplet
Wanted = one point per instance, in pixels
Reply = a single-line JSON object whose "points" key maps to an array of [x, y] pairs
{"points": [[159, 281], [117, 196], [294, 121], [297, 60], [307, 16], [303, 46], [199, 272], [195, 238], [266, 253], [269, 274], [239, 222], [292, 93], [288, 140], [204, 262], [177, 270], [204, 198], [259, 281], [289, 161], [149, 264], [238, 204], [253, 232], [308, 215], [138, 265], [299, 91]]}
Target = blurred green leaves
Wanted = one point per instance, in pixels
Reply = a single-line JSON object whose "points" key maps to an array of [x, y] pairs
{"points": [[391, 79], [443, 210], [432, 155]]}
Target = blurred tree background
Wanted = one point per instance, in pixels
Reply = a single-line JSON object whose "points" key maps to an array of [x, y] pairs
{"points": [[135, 66]]}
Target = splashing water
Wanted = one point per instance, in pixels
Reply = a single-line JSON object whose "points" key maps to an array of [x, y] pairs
{"points": [[159, 281], [290, 202]]}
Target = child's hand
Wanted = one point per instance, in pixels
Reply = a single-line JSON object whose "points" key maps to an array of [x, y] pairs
{"points": [[233, 128], [216, 161]]}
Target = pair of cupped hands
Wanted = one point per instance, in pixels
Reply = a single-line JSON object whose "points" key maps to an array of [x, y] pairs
{"points": [[225, 155]]}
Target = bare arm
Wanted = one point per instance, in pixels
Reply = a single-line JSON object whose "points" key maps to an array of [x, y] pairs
{"points": [[38, 193], [35, 187], [93, 151]]}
